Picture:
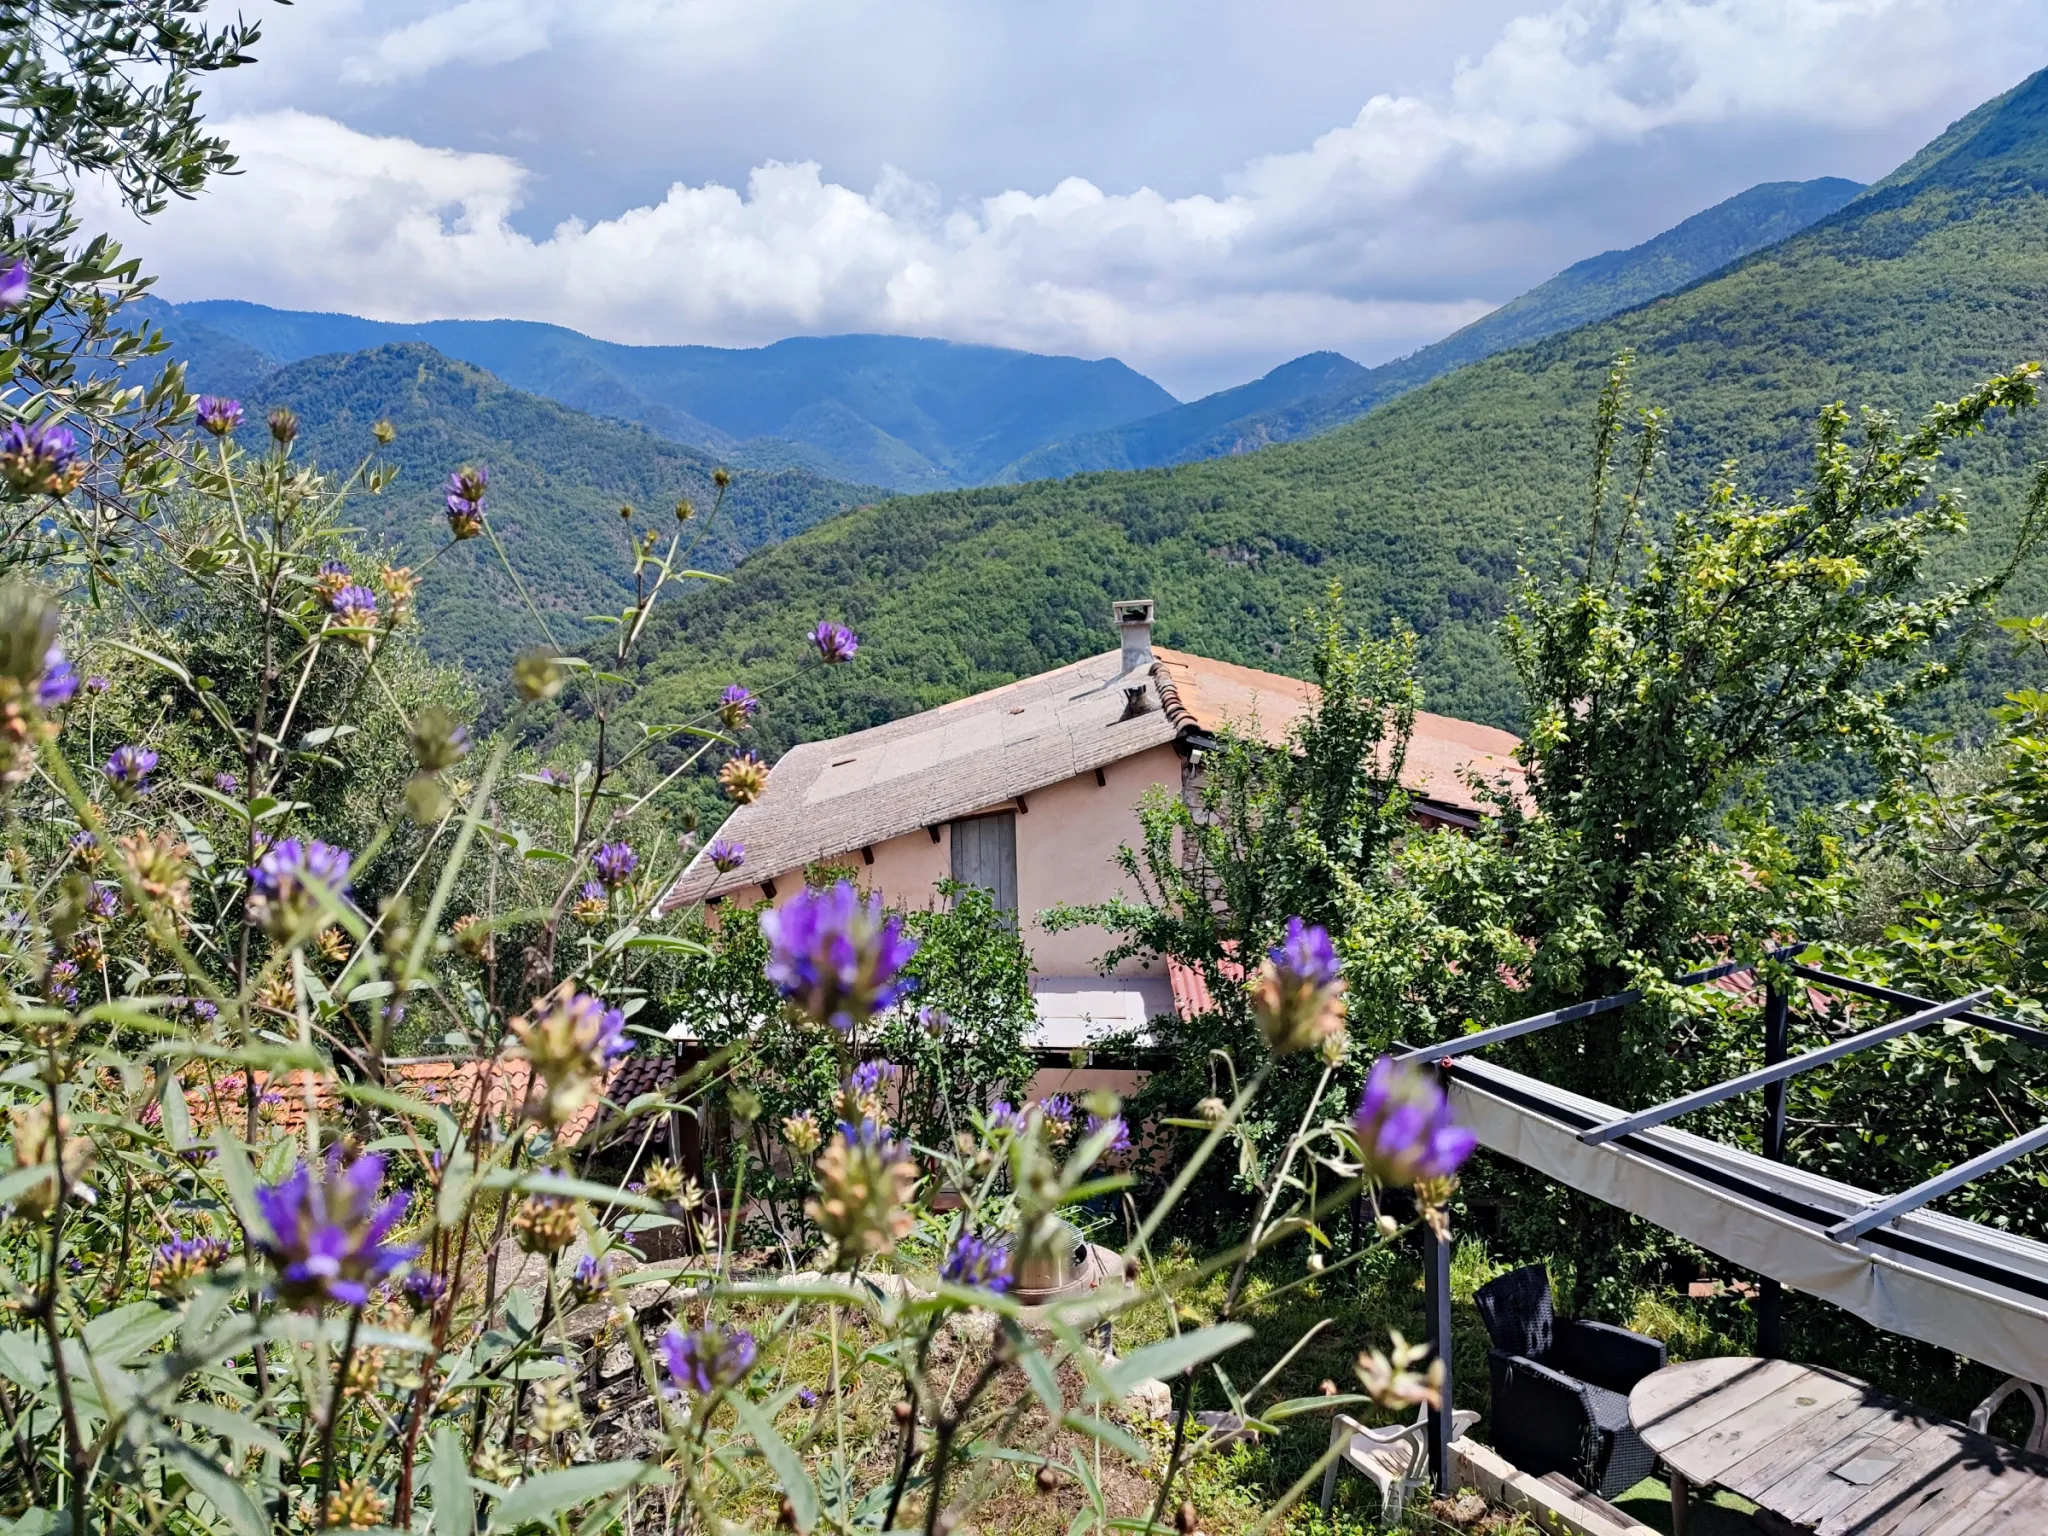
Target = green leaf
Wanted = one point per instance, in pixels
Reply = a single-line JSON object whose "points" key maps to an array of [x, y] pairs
{"points": [[547, 1495], [152, 658], [1110, 1435], [532, 1182], [224, 1492], [215, 798], [666, 942], [1169, 1357], [784, 1462], [238, 1428], [448, 1477], [239, 1177], [128, 1331]]}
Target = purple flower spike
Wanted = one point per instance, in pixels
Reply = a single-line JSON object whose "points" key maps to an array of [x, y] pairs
{"points": [[835, 642], [1119, 1132], [708, 1359], [13, 285], [726, 857], [355, 606], [130, 767], [59, 682], [1404, 1128], [614, 864], [464, 495], [736, 707], [218, 414], [1005, 1116], [979, 1262], [1306, 954], [226, 783], [286, 883], [327, 1231], [1298, 992], [837, 957], [40, 458], [423, 1288]]}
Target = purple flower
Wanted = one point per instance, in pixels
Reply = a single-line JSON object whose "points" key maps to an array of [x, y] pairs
{"points": [[1057, 1110], [40, 457], [354, 605], [593, 1277], [1404, 1129], [104, 902], [571, 1038], [806, 1397], [464, 496], [60, 985], [934, 1022], [423, 1288], [736, 707], [13, 285], [726, 857], [1298, 992], [130, 767], [614, 864], [327, 1230], [286, 883], [97, 684], [708, 1359], [1119, 1133], [1005, 1116], [226, 783], [870, 1077], [978, 1262], [58, 682], [835, 642], [184, 1259], [836, 955], [218, 414]]}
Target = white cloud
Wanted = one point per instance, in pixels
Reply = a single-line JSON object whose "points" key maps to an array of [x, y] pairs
{"points": [[474, 32], [1379, 235]]}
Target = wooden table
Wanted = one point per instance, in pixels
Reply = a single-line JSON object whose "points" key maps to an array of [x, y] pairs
{"points": [[1825, 1452]]}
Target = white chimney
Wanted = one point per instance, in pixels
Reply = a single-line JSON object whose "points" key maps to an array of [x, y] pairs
{"points": [[1134, 622]]}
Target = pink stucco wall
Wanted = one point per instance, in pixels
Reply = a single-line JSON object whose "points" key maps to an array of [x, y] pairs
{"points": [[1067, 840]]}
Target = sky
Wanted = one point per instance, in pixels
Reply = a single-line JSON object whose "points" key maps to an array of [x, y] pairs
{"points": [[1202, 189]]}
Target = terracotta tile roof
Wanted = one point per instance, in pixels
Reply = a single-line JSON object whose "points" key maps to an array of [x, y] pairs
{"points": [[452, 1081], [828, 798], [1208, 696]]}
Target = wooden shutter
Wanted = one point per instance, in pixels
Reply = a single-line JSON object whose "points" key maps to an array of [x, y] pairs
{"points": [[985, 854]]}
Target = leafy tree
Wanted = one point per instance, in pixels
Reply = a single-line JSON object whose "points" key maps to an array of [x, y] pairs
{"points": [[107, 91]]}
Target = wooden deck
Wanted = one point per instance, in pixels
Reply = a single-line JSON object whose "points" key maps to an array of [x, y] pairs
{"points": [[1826, 1453]]}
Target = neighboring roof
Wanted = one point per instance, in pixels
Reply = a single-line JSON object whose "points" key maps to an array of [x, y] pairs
{"points": [[828, 798], [444, 1080], [1209, 696]]}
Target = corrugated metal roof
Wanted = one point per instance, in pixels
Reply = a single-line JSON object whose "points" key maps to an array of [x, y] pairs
{"points": [[827, 798]]}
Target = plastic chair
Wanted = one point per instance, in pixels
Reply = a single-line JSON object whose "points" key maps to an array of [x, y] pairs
{"points": [[2037, 1437], [1395, 1457]]}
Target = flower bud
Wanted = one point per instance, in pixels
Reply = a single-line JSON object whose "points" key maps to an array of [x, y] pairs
{"points": [[284, 424], [538, 676]]}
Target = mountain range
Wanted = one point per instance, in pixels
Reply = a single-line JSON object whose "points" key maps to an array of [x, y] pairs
{"points": [[1922, 284], [898, 411], [915, 415]]}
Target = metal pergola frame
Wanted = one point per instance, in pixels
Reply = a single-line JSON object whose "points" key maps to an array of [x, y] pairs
{"points": [[1779, 1067]]}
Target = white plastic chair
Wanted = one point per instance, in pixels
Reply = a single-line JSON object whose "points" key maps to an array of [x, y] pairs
{"points": [[2037, 1437], [1395, 1457]]}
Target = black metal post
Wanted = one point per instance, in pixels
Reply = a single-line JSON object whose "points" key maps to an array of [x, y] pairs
{"points": [[1436, 1302], [1777, 1045]]}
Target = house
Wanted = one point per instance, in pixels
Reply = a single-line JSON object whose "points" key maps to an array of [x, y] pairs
{"points": [[1029, 789]]}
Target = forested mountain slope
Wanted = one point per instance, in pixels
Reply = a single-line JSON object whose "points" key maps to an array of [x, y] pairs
{"points": [[902, 411], [1930, 280], [558, 479], [1292, 403]]}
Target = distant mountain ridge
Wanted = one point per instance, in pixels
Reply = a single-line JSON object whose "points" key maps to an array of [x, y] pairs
{"points": [[900, 411], [558, 480], [1277, 409]]}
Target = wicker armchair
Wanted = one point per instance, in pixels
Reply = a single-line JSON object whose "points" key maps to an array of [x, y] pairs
{"points": [[1560, 1388]]}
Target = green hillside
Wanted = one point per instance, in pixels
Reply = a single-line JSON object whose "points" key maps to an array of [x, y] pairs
{"points": [[1932, 279], [1292, 402], [558, 479]]}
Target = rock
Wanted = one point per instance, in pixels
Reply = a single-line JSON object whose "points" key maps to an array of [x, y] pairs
{"points": [[1224, 1429], [1149, 1399]]}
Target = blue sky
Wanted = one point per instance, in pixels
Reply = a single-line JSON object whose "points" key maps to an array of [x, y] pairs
{"points": [[1202, 189]]}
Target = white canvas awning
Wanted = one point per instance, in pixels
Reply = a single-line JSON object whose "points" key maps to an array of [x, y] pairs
{"points": [[1967, 1287]]}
